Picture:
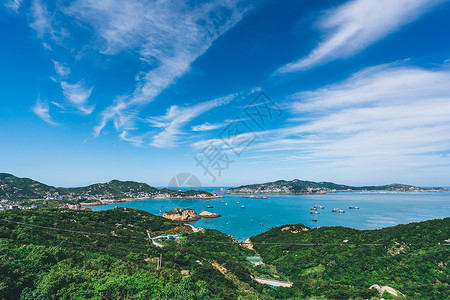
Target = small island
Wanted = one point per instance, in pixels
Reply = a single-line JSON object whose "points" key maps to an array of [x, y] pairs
{"points": [[181, 215], [207, 214]]}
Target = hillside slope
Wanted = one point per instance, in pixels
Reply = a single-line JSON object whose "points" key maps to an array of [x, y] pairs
{"points": [[346, 270], [107, 255]]}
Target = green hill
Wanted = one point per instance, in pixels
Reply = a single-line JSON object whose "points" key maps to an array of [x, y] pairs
{"points": [[63, 254], [346, 270], [12, 187], [297, 186], [107, 255], [15, 188]]}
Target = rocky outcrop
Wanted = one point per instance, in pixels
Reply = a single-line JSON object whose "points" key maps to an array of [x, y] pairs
{"points": [[181, 215], [207, 214]]}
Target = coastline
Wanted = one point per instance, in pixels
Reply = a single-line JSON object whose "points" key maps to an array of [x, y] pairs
{"points": [[343, 191], [110, 201]]}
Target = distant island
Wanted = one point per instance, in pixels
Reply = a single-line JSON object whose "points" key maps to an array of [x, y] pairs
{"points": [[297, 186], [15, 188]]}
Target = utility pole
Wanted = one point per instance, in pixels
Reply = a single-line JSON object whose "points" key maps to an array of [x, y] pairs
{"points": [[159, 262]]}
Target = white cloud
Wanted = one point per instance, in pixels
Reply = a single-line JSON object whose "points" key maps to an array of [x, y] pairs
{"points": [[387, 117], [177, 117], [207, 126], [356, 25], [61, 69], [168, 36], [13, 5], [41, 18], [41, 109], [77, 94]]}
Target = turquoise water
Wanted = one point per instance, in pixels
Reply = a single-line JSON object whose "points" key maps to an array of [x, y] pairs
{"points": [[377, 210]]}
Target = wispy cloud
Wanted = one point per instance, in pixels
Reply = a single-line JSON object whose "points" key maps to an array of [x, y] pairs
{"points": [[386, 116], [356, 25], [177, 117], [61, 69], [13, 5], [208, 127], [41, 109], [168, 36], [41, 18], [77, 94]]}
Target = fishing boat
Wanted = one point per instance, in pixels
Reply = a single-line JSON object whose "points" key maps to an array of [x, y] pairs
{"points": [[237, 202], [314, 220], [319, 206], [264, 198], [313, 208], [314, 212], [222, 201], [242, 206], [226, 204], [338, 210], [353, 207], [210, 206]]}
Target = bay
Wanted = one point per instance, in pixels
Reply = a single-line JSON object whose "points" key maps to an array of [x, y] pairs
{"points": [[376, 210]]}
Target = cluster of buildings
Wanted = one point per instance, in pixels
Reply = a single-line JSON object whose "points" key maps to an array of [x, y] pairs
{"points": [[9, 205], [73, 206], [279, 189]]}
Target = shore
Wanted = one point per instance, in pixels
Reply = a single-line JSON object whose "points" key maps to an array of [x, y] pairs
{"points": [[109, 201]]}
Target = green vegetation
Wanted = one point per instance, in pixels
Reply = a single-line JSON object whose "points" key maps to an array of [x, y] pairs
{"points": [[347, 271], [107, 255], [111, 258], [15, 188], [300, 187]]}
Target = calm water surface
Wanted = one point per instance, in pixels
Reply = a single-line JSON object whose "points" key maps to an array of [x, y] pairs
{"points": [[377, 210]]}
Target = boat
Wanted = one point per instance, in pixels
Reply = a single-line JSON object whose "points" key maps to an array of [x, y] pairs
{"points": [[314, 220], [314, 212], [222, 201], [237, 202], [338, 210], [353, 207], [264, 198], [319, 206], [251, 220], [313, 208], [242, 206], [210, 206], [226, 204]]}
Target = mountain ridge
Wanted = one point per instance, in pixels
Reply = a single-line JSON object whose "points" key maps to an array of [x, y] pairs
{"points": [[17, 188]]}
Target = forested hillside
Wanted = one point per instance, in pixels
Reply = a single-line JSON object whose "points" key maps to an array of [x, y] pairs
{"points": [[408, 259]]}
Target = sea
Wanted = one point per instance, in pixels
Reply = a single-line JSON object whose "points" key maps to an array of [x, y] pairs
{"points": [[376, 210]]}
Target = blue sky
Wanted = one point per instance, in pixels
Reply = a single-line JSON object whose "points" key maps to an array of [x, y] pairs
{"points": [[94, 90]]}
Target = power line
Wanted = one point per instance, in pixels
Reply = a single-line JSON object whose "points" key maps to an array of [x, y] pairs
{"points": [[234, 242], [362, 259]]}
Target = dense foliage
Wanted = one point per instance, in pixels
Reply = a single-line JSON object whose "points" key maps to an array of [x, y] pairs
{"points": [[110, 257], [418, 270], [107, 255]]}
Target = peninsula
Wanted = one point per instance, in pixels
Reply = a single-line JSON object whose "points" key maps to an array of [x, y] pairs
{"points": [[297, 186]]}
